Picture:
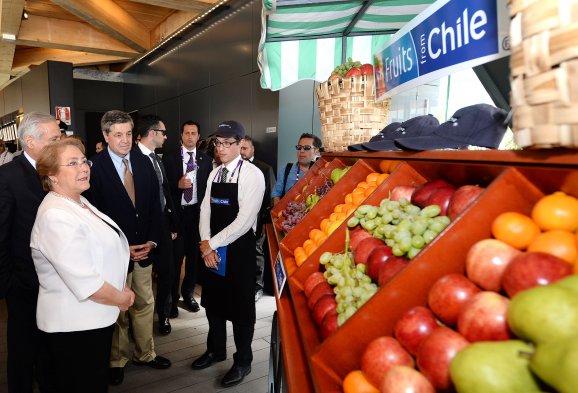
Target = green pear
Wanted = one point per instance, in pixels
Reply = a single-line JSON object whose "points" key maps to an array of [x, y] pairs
{"points": [[556, 363], [570, 282], [544, 313], [493, 367], [335, 175]]}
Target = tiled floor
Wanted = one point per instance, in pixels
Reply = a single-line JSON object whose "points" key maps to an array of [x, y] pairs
{"points": [[182, 346]]}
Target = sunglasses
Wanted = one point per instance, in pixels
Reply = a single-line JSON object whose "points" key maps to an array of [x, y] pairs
{"points": [[304, 147], [163, 131]]}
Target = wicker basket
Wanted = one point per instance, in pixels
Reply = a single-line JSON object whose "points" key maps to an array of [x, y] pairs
{"points": [[544, 71], [349, 113]]}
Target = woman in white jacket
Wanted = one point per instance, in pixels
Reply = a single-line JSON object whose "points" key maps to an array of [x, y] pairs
{"points": [[81, 258]]}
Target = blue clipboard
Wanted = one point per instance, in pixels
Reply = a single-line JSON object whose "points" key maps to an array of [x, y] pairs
{"points": [[222, 265]]}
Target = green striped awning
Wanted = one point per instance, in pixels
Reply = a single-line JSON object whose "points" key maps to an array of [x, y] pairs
{"points": [[306, 39]]}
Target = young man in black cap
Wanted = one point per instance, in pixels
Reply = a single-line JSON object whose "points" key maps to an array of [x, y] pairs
{"points": [[227, 226]]}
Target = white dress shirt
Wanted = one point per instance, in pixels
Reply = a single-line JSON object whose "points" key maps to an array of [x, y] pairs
{"points": [[251, 189], [74, 253]]}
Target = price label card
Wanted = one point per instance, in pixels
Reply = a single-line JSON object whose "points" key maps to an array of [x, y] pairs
{"points": [[280, 275]]}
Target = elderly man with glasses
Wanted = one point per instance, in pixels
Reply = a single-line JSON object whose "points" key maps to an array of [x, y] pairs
{"points": [[307, 153]]}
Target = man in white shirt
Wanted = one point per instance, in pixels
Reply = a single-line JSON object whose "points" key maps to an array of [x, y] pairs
{"points": [[228, 221], [5, 155]]}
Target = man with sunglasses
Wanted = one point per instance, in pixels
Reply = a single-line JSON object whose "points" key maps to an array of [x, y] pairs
{"points": [[228, 222], [307, 153]]}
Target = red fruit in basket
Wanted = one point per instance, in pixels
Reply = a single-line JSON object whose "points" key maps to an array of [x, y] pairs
{"points": [[380, 355], [364, 248], [323, 289], [530, 269], [312, 281], [422, 193], [436, 353], [356, 237], [353, 72], [413, 327], [462, 198], [376, 259], [400, 192], [393, 266], [448, 295], [366, 69], [328, 325], [486, 261], [441, 197], [323, 306], [483, 318], [402, 379]]}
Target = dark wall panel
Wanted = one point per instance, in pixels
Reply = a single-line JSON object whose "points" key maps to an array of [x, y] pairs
{"points": [[169, 112], [165, 77], [13, 96], [265, 104], [231, 101], [196, 67], [61, 88], [197, 107], [97, 95], [35, 90], [139, 88]]}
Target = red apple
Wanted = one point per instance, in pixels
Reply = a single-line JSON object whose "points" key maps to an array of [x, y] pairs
{"points": [[367, 69], [390, 268], [486, 261], [376, 259], [380, 355], [365, 247], [323, 306], [530, 269], [328, 325], [436, 353], [400, 192], [441, 197], [312, 281], [462, 198], [356, 237], [483, 318], [353, 71], [422, 193], [320, 290], [447, 296], [403, 379], [413, 327]]}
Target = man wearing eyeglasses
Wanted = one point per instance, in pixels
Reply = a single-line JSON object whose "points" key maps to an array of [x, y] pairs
{"points": [[20, 195], [153, 133], [228, 222], [124, 186], [288, 176]]}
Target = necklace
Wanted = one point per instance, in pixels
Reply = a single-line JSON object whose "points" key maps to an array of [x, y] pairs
{"points": [[81, 204]]}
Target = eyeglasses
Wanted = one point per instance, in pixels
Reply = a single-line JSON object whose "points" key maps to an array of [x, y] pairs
{"points": [[78, 164], [304, 147], [225, 144], [163, 131]]}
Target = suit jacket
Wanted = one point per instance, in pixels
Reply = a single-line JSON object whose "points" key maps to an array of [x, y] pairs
{"points": [[20, 195], [139, 223], [173, 163], [270, 181]]}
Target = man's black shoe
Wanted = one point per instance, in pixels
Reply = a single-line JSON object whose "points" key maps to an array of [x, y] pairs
{"points": [[235, 375], [206, 360], [174, 312], [164, 326], [190, 303], [258, 295], [159, 363], [115, 375]]}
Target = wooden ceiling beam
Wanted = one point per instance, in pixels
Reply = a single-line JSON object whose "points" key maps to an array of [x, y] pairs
{"points": [[11, 14], [111, 19], [182, 5], [34, 56], [39, 31]]}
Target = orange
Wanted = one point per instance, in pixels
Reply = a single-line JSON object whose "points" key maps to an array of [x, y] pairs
{"points": [[333, 217], [300, 256], [355, 382], [556, 242], [362, 184], [358, 190], [308, 243], [349, 208], [314, 234], [320, 239], [332, 227], [358, 199], [516, 229], [372, 177], [369, 190], [393, 165], [556, 211], [338, 208], [310, 248], [381, 178], [384, 166], [348, 198]]}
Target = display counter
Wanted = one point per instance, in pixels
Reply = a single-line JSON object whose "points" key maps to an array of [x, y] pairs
{"points": [[513, 181]]}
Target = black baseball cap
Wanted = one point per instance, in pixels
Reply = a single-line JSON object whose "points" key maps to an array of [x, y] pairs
{"points": [[478, 125], [414, 127], [230, 128], [378, 137]]}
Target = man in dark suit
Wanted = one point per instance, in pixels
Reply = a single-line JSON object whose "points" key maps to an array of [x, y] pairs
{"points": [[248, 153], [20, 195], [153, 133], [124, 186], [187, 172]]}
